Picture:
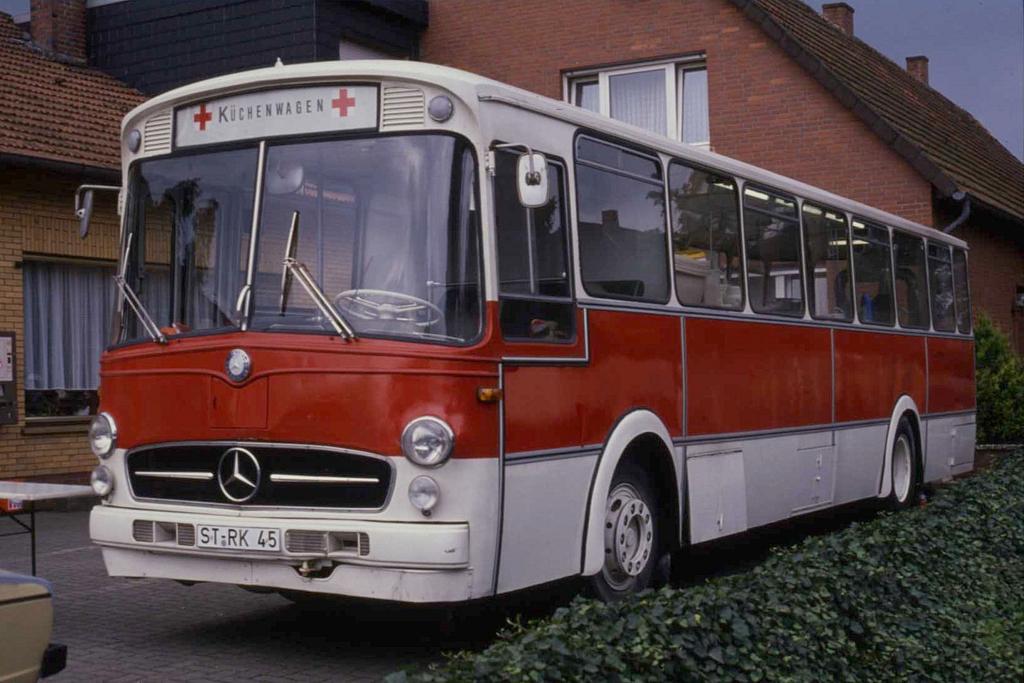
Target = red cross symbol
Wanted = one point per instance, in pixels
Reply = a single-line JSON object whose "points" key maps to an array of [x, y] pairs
{"points": [[343, 102], [202, 117]]}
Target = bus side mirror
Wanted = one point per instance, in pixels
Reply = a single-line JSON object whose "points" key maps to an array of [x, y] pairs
{"points": [[83, 204], [532, 180], [83, 209]]}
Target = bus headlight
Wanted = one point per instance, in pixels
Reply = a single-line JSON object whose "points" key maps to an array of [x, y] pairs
{"points": [[428, 441], [424, 494], [102, 435], [102, 481]]}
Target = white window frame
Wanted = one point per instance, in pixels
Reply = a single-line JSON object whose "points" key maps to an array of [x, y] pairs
{"points": [[673, 70]]}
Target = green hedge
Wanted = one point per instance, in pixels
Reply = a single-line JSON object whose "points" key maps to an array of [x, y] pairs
{"points": [[932, 593], [1000, 379]]}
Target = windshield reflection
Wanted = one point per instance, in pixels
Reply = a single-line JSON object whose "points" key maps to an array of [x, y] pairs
{"points": [[190, 219], [388, 232], [389, 235]]}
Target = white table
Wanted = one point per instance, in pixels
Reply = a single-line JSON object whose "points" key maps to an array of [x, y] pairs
{"points": [[29, 492]]}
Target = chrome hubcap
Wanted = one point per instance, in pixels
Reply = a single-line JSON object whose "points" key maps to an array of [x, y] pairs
{"points": [[628, 537], [901, 464]]}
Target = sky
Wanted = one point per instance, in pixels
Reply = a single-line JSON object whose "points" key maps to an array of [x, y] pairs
{"points": [[975, 50]]}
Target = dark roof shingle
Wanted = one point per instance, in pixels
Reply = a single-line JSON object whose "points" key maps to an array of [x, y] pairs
{"points": [[56, 111], [943, 138]]}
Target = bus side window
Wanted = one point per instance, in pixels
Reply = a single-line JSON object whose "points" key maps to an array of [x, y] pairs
{"points": [[940, 273], [961, 291], [533, 263], [827, 256], [911, 280], [705, 238], [772, 231], [872, 270], [621, 207]]}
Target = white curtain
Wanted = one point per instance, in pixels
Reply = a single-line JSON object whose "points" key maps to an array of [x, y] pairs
{"points": [[67, 323], [639, 98], [696, 128]]}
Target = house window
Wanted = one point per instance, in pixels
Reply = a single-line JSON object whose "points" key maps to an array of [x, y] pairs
{"points": [[669, 98], [67, 323]]}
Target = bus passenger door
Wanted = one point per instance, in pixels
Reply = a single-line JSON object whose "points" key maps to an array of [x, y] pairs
{"points": [[542, 339]]}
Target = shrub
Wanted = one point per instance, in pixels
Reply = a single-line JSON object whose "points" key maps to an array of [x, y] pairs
{"points": [[1000, 379], [931, 593]]}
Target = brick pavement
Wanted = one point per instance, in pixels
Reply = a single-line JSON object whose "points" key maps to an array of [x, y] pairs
{"points": [[148, 630]]}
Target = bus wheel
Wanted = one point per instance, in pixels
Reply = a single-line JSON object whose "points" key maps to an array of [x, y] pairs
{"points": [[630, 536], [904, 467]]}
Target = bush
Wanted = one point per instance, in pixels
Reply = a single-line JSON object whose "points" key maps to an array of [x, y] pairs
{"points": [[931, 593], [1000, 379]]}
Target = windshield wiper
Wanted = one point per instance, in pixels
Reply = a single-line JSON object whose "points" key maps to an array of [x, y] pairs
{"points": [[133, 300], [292, 267]]}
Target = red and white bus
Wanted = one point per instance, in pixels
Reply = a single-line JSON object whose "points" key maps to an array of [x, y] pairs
{"points": [[396, 331]]}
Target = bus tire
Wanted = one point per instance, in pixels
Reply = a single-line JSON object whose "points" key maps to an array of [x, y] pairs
{"points": [[631, 536], [904, 466]]}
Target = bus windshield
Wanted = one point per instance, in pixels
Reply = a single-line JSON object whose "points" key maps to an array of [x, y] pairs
{"points": [[387, 227]]}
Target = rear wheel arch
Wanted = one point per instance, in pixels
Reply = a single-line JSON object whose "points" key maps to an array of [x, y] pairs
{"points": [[905, 408]]}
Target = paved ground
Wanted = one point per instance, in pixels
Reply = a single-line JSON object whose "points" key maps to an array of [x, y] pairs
{"points": [[149, 630]]}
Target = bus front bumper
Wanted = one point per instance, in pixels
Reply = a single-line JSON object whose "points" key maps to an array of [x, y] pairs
{"points": [[394, 561]]}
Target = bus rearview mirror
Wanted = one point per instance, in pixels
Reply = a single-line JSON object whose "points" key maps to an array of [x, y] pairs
{"points": [[83, 204], [532, 180], [84, 212]]}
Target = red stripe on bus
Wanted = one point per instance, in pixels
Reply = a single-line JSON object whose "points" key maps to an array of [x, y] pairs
{"points": [[950, 375], [749, 376], [873, 370]]}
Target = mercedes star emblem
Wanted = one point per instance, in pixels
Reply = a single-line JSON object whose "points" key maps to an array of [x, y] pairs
{"points": [[237, 365], [238, 474]]}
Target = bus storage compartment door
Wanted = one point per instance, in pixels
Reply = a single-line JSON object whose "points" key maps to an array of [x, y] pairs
{"points": [[717, 492], [815, 477], [962, 437]]}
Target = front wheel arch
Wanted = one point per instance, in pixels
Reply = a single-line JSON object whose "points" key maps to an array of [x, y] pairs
{"points": [[640, 431]]}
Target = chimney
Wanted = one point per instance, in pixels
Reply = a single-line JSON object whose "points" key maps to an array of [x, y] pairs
{"points": [[918, 68], [840, 14], [58, 28]]}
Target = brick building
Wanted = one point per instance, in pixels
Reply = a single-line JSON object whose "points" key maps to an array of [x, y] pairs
{"points": [[775, 84], [59, 128], [59, 125], [770, 82]]}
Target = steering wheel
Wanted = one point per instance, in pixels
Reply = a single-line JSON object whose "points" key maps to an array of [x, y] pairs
{"points": [[373, 304]]}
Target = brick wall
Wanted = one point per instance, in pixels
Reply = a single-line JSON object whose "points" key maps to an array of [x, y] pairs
{"points": [[996, 271], [58, 27], [37, 221], [764, 108]]}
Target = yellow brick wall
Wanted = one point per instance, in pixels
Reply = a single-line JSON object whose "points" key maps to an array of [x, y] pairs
{"points": [[37, 221]]}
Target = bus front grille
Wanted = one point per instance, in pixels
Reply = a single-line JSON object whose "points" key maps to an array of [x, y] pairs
{"points": [[274, 476]]}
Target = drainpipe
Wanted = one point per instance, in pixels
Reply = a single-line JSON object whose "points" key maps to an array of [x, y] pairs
{"points": [[965, 211]]}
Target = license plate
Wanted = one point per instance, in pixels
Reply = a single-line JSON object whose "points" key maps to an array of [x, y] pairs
{"points": [[238, 538]]}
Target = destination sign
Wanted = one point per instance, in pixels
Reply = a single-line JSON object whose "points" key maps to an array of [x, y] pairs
{"points": [[291, 111]]}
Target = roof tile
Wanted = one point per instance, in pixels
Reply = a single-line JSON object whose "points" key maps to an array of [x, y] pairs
{"points": [[949, 137], [57, 111]]}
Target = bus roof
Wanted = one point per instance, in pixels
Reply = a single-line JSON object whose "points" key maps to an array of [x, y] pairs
{"points": [[473, 89]]}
